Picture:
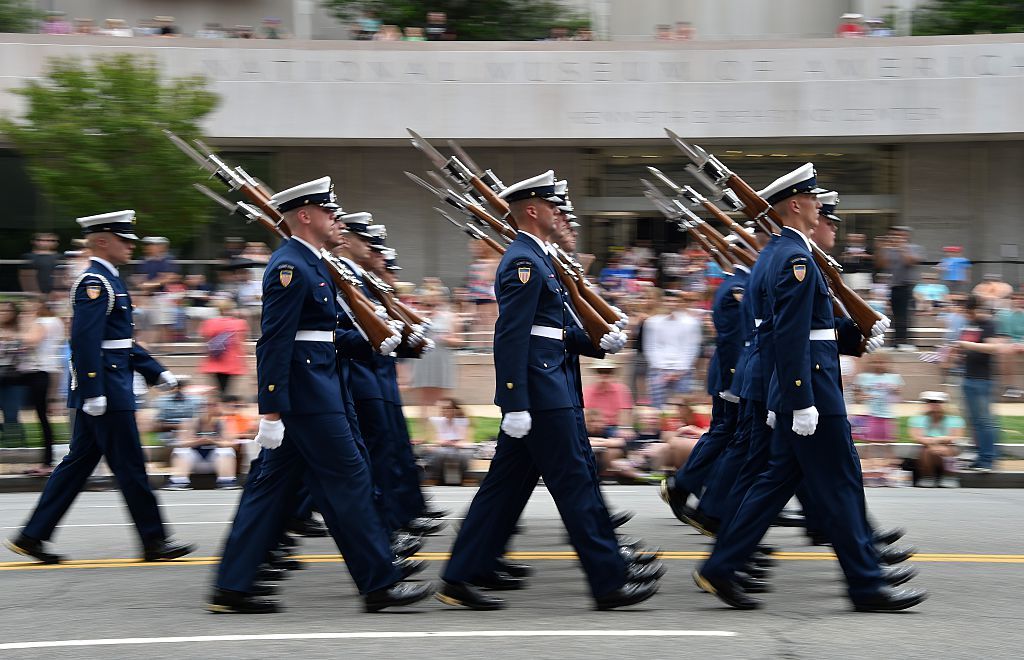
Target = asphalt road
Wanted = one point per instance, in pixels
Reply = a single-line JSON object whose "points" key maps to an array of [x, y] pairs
{"points": [[971, 562]]}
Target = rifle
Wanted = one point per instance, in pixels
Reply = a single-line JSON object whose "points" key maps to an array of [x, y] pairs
{"points": [[373, 327], [458, 172], [716, 176], [676, 215], [474, 232]]}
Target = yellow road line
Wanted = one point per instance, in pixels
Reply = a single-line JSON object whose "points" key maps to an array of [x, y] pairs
{"points": [[537, 555]]}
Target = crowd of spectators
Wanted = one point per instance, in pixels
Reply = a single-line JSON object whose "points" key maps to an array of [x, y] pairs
{"points": [[57, 22]]}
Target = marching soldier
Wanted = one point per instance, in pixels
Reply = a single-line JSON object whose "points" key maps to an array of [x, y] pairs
{"points": [[104, 357], [811, 440], [304, 429], [538, 429]]}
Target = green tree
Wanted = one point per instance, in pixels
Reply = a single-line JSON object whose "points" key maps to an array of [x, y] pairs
{"points": [[17, 16], [471, 20], [968, 17], [92, 136]]}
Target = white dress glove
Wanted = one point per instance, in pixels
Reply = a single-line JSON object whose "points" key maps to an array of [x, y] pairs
{"points": [[623, 319], [805, 421], [516, 424], [381, 312], [389, 345], [880, 326], [417, 335], [874, 344], [770, 420], [396, 326], [95, 406], [271, 433], [729, 396], [613, 342], [166, 381], [428, 345]]}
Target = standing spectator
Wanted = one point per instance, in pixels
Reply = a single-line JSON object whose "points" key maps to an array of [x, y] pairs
{"points": [[671, 345], [433, 375], [937, 433], [480, 282], [41, 366], [607, 398], [55, 23], [11, 394], [955, 269], [37, 276], [663, 32], [851, 25], [857, 263], [993, 291], [650, 306], [930, 295], [978, 342], [272, 29], [367, 26], [166, 26], [452, 445], [204, 447], [898, 257], [684, 31], [879, 388], [159, 264], [224, 335], [437, 25], [1010, 323]]}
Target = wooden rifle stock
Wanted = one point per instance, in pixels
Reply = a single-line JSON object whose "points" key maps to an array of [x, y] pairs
{"points": [[593, 323], [492, 199]]}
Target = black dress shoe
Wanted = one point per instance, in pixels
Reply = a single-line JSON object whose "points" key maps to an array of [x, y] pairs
{"points": [[434, 513], [674, 497], [727, 591], [633, 542], [895, 554], [789, 519], [462, 594], [268, 574], [500, 581], [406, 545], [311, 528], [766, 549], [891, 600], [887, 536], [704, 524], [287, 564], [424, 526], [234, 602], [630, 593], [620, 518], [262, 589], [289, 543], [166, 550], [409, 567], [753, 585], [651, 572], [639, 555], [514, 569], [818, 538], [397, 595], [897, 575], [23, 545], [755, 571], [762, 560]]}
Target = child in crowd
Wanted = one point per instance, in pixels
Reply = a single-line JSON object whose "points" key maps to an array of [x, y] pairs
{"points": [[878, 388]]}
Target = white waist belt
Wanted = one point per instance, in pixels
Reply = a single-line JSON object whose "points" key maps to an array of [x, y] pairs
{"points": [[758, 322], [549, 333], [825, 334], [111, 344], [315, 335]]}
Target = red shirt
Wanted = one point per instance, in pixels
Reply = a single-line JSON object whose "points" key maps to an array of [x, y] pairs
{"points": [[609, 399], [231, 361]]}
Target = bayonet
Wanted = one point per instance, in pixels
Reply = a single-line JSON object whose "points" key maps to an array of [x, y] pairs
{"points": [[464, 157]]}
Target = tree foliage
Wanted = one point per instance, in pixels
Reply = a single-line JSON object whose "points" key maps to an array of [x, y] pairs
{"points": [[969, 17], [17, 16], [93, 139], [471, 20]]}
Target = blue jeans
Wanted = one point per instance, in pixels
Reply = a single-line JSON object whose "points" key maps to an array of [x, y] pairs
{"points": [[978, 398], [12, 396]]}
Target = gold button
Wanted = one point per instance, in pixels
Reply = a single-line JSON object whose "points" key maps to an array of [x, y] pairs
{"points": [[732, 371], [91, 374], [509, 385], [799, 382], [270, 387]]}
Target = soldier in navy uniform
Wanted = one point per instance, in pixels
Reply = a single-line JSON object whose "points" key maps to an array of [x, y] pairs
{"points": [[539, 432], [104, 358], [811, 439], [303, 429]]}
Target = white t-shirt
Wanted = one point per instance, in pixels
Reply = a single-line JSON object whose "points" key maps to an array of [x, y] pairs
{"points": [[450, 430], [49, 353]]}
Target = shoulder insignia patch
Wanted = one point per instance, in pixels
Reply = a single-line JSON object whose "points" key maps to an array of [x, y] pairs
{"points": [[524, 274], [285, 275], [93, 291], [799, 272]]}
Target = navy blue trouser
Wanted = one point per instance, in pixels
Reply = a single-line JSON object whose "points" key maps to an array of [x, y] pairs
{"points": [[825, 463], [552, 450], [714, 502], [693, 475], [377, 430], [407, 488], [322, 448], [113, 436]]}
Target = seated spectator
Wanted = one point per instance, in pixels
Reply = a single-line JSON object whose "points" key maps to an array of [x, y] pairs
{"points": [[272, 29], [55, 23], [204, 449], [608, 397], [851, 25], [930, 295], [937, 433], [1010, 323], [684, 31], [176, 412], [388, 33], [166, 26], [663, 33], [413, 33], [437, 25], [115, 27], [211, 31], [240, 425], [993, 291], [683, 426], [607, 442], [878, 388], [85, 26], [367, 26], [451, 445], [645, 449]]}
